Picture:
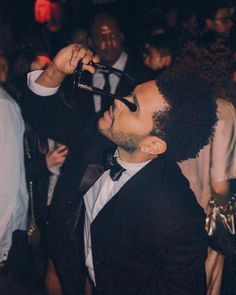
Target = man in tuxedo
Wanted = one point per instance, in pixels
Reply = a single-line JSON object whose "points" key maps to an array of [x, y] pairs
{"points": [[137, 229]]}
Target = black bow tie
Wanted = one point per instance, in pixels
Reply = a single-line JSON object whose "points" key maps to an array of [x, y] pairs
{"points": [[116, 169]]}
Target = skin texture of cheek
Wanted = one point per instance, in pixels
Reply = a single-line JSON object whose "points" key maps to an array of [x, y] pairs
{"points": [[126, 141], [124, 136]]}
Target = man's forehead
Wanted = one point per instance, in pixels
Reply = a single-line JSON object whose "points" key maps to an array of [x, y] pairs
{"points": [[150, 93], [105, 23], [148, 86]]}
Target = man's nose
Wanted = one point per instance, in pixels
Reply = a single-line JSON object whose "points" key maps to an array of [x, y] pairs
{"points": [[108, 41], [118, 105]]}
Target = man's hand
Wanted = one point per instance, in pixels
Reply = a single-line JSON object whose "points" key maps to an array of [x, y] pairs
{"points": [[65, 63], [57, 156], [67, 59], [2, 264]]}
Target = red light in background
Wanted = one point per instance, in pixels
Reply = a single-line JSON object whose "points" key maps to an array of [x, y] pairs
{"points": [[42, 11]]}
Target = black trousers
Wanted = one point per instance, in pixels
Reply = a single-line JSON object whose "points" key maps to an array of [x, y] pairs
{"points": [[16, 274]]}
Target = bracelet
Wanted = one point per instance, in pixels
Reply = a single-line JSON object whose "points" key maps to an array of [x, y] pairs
{"points": [[228, 208]]}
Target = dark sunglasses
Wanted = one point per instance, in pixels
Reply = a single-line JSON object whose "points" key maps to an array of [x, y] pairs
{"points": [[77, 83]]}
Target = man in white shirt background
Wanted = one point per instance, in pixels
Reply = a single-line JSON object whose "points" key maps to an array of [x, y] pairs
{"points": [[14, 258]]}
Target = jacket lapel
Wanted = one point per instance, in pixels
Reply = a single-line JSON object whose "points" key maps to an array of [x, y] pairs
{"points": [[135, 188]]}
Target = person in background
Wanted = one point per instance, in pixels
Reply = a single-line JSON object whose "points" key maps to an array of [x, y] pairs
{"points": [[14, 253], [43, 160], [211, 54], [53, 21], [209, 175], [159, 52]]}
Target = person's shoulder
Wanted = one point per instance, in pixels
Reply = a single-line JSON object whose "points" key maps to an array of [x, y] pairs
{"points": [[6, 99], [225, 109], [7, 103], [173, 192]]}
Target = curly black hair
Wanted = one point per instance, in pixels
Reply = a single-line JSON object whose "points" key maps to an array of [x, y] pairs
{"points": [[187, 124], [212, 7]]}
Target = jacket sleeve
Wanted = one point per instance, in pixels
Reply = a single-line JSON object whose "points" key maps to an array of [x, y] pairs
{"points": [[50, 117]]}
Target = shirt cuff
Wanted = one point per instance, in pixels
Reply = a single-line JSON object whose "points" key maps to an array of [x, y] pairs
{"points": [[3, 254], [38, 89]]}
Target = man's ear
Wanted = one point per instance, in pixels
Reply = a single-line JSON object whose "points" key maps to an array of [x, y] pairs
{"points": [[167, 60], [153, 145], [209, 24]]}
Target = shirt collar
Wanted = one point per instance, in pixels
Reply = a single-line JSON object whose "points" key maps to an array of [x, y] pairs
{"points": [[121, 61], [131, 168]]}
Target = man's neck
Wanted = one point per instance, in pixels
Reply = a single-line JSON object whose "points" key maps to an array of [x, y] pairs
{"points": [[134, 156]]}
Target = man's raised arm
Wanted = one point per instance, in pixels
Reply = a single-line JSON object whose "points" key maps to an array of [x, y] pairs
{"points": [[42, 106], [65, 63]]}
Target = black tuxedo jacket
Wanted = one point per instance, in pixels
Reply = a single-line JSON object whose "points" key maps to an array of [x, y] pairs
{"points": [[148, 239]]}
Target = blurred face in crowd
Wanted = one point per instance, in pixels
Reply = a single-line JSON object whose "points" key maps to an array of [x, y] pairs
{"points": [[191, 23], [222, 22], [153, 59], [107, 39], [3, 69], [130, 130]]}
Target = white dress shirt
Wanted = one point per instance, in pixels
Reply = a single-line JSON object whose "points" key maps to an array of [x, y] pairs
{"points": [[99, 81], [13, 190], [55, 170], [97, 197], [38, 89]]}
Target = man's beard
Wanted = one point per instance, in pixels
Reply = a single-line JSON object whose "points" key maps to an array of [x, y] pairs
{"points": [[128, 142]]}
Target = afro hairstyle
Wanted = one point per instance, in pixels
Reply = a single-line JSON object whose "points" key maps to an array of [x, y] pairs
{"points": [[187, 124]]}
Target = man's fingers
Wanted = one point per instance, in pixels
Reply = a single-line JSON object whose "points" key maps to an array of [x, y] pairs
{"points": [[61, 147], [84, 55], [77, 54], [96, 58], [63, 153], [87, 59]]}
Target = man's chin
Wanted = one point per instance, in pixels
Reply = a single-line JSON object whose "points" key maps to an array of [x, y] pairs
{"points": [[110, 59], [100, 126], [105, 133]]}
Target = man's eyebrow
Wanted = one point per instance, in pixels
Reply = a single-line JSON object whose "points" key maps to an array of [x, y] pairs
{"points": [[136, 100]]}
